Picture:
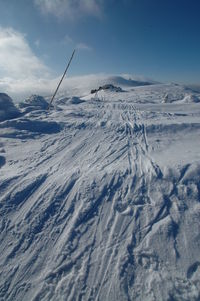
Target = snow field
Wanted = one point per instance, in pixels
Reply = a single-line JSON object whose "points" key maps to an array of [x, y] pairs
{"points": [[100, 200]]}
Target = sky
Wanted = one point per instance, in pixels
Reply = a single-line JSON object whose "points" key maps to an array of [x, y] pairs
{"points": [[157, 39]]}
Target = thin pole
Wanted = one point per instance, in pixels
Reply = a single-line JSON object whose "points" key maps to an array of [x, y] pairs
{"points": [[61, 79]]}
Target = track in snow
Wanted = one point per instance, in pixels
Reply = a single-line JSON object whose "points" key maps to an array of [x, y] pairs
{"points": [[87, 212]]}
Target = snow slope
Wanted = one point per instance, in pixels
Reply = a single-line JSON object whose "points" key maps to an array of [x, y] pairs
{"points": [[100, 199]]}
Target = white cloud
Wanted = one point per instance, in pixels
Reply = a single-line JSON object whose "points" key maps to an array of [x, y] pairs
{"points": [[19, 89], [21, 72], [16, 57], [72, 9]]}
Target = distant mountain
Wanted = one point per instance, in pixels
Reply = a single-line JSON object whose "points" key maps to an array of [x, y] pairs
{"points": [[129, 82]]}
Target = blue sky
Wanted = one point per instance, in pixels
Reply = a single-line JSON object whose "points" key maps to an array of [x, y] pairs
{"points": [[153, 38]]}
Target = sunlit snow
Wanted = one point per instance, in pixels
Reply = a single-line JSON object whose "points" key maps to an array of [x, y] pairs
{"points": [[100, 196]]}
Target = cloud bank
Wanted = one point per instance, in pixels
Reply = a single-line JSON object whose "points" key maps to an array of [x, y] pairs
{"points": [[16, 57], [72, 9], [21, 71]]}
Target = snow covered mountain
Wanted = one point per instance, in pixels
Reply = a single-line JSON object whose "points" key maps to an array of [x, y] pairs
{"points": [[100, 197]]}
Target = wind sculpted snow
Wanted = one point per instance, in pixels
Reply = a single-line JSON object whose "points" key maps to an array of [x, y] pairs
{"points": [[100, 199]]}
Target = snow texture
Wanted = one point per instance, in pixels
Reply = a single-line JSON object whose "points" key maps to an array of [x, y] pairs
{"points": [[35, 102], [101, 200], [76, 100]]}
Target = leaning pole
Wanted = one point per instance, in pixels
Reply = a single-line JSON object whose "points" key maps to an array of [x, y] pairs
{"points": [[61, 80]]}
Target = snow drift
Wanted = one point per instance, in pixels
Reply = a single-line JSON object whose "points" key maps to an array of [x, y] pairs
{"points": [[35, 102], [7, 109]]}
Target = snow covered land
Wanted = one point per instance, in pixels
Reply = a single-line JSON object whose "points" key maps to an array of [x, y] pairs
{"points": [[100, 196]]}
